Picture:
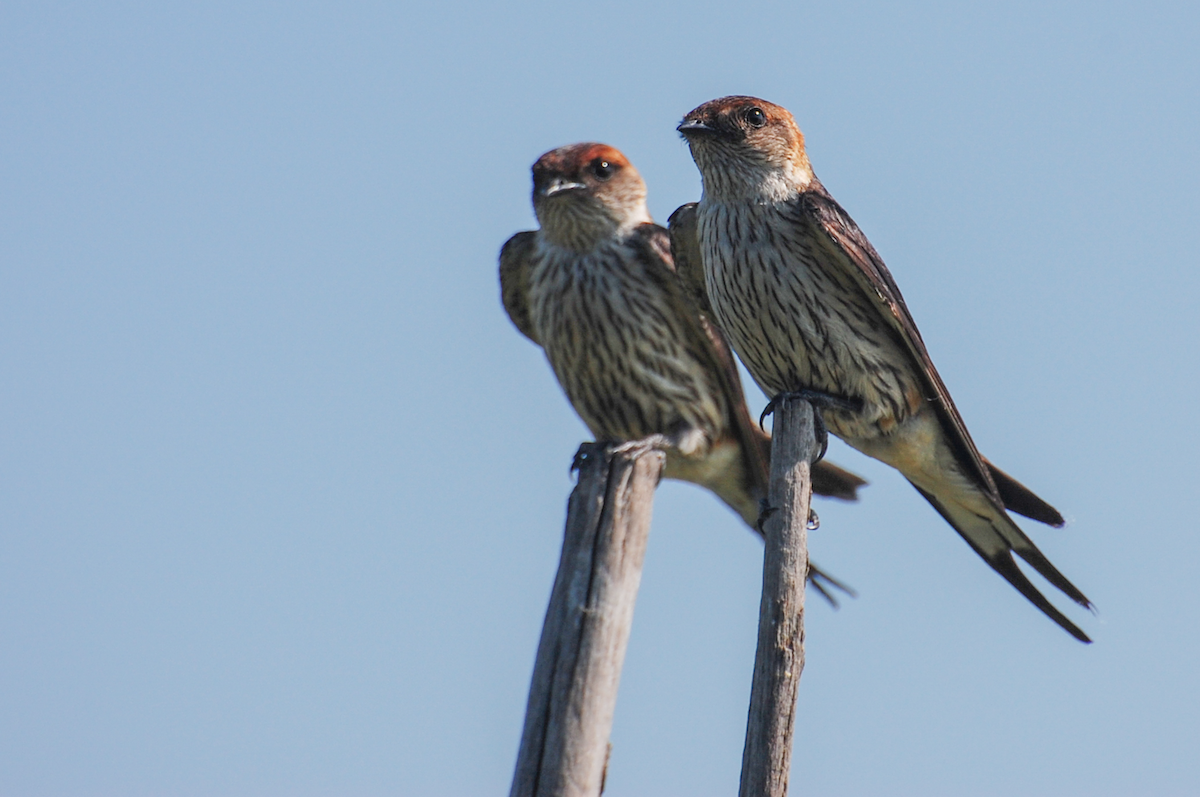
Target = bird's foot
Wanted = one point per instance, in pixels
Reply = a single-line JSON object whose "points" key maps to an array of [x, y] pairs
{"points": [[820, 401], [823, 583], [632, 448], [635, 448]]}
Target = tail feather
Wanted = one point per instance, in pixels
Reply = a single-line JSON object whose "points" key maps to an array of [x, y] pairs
{"points": [[833, 482], [1020, 499], [995, 539], [741, 482], [1006, 566], [1038, 561], [828, 480]]}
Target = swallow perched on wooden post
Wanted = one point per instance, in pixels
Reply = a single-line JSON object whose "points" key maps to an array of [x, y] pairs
{"points": [[810, 308], [596, 288]]}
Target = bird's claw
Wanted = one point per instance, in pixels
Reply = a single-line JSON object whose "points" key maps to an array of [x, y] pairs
{"points": [[820, 401], [635, 448], [765, 510]]}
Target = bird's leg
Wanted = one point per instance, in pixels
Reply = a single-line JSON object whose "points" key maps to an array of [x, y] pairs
{"points": [[820, 401]]}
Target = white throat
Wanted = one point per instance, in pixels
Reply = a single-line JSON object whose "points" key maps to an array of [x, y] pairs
{"points": [[730, 174]]}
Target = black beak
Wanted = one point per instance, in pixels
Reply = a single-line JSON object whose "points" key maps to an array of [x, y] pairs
{"points": [[694, 126]]}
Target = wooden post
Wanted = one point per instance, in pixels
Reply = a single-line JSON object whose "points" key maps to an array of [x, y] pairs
{"points": [[564, 746], [767, 756]]}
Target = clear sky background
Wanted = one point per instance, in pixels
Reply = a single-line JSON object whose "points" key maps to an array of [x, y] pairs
{"points": [[282, 490]]}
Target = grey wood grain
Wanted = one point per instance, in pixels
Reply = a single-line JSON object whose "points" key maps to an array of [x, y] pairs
{"points": [[767, 755], [573, 693]]}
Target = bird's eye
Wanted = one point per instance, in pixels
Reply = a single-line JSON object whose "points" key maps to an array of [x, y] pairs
{"points": [[603, 169], [755, 117]]}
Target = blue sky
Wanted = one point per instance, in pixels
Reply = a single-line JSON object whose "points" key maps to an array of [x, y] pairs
{"points": [[281, 489]]}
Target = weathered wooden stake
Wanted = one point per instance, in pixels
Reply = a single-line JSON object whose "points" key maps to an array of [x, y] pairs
{"points": [[767, 756], [564, 747]]}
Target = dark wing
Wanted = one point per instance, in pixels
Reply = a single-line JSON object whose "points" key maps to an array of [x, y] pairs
{"points": [[850, 243], [685, 246], [710, 348], [516, 260], [853, 244], [828, 479], [846, 241]]}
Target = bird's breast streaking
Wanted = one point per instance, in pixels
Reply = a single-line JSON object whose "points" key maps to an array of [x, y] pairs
{"points": [[619, 352], [797, 319]]}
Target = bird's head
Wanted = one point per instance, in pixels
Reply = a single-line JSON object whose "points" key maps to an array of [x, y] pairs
{"points": [[747, 148], [583, 193]]}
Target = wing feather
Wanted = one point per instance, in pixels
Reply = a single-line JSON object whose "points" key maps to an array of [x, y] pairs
{"points": [[685, 246], [516, 261], [848, 241], [852, 245]]}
